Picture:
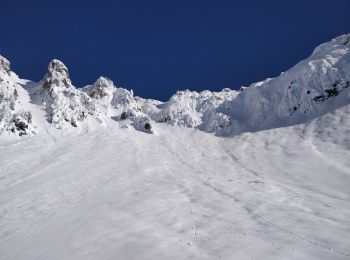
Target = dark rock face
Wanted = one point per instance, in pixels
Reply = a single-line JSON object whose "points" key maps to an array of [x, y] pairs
{"points": [[142, 123]]}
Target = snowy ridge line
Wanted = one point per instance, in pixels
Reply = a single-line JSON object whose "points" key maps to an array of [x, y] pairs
{"points": [[313, 87]]}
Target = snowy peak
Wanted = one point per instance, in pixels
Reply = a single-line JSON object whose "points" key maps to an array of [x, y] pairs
{"points": [[64, 105], [57, 75]]}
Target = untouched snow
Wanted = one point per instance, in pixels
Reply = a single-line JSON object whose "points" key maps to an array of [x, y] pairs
{"points": [[99, 173], [178, 194]]}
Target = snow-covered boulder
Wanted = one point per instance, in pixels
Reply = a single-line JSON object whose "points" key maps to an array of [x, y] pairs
{"points": [[21, 123], [142, 123], [130, 109]]}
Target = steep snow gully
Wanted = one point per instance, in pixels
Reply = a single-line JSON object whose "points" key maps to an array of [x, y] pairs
{"points": [[99, 173]]}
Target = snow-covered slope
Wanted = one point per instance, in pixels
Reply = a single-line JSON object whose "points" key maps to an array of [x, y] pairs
{"points": [[178, 194], [259, 173]]}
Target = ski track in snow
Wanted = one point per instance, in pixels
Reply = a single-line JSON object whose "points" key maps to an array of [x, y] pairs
{"points": [[178, 194]]}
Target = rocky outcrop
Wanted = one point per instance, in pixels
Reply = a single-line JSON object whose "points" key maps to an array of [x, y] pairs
{"points": [[65, 104], [13, 117], [4, 65], [57, 75], [121, 101], [200, 110], [130, 109], [142, 123], [103, 87], [21, 123]]}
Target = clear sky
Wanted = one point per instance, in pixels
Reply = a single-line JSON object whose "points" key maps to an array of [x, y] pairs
{"points": [[156, 47]]}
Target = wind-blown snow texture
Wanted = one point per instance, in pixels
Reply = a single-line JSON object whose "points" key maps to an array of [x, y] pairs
{"points": [[97, 172]]}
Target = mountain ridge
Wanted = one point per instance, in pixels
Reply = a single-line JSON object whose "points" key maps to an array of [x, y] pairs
{"points": [[313, 87]]}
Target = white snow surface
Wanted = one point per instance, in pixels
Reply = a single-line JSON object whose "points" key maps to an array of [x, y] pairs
{"points": [[99, 173]]}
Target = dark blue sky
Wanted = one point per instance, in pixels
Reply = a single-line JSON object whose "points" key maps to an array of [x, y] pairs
{"points": [[158, 47]]}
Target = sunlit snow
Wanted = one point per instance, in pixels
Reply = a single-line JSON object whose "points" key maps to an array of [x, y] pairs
{"points": [[99, 173]]}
